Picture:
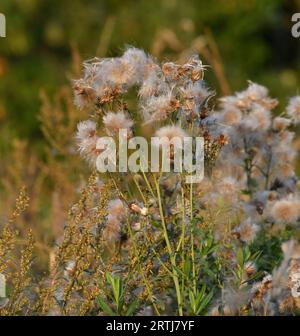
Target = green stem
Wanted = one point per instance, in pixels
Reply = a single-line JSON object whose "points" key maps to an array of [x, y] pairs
{"points": [[169, 248], [192, 238], [183, 242], [192, 230], [148, 184]]}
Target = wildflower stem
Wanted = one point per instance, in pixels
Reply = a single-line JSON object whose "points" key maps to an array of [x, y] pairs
{"points": [[172, 257], [192, 231], [140, 191], [148, 184], [183, 242], [267, 176], [192, 238]]}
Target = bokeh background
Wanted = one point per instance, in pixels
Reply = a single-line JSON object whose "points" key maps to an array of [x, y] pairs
{"points": [[46, 43]]}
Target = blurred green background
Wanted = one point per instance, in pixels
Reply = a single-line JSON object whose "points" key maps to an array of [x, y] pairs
{"points": [[253, 39]]}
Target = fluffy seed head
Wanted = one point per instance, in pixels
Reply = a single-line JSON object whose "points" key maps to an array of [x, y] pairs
{"points": [[280, 124], [255, 92], [113, 122], [263, 118], [159, 108], [293, 109], [171, 132], [232, 116], [86, 129], [84, 95], [247, 231], [286, 210], [87, 140]]}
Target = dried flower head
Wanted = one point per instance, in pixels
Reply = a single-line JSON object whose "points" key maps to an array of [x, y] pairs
{"points": [[168, 134], [286, 210], [171, 132], [113, 122], [86, 129], [280, 124], [158, 108], [87, 140], [232, 116], [247, 231], [293, 108]]}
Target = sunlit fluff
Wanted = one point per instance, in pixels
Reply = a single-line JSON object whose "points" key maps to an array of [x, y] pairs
{"points": [[286, 210], [293, 108], [113, 122]]}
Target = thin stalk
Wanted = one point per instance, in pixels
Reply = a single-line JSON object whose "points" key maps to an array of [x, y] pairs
{"points": [[183, 242], [192, 238], [148, 184], [169, 248], [140, 191], [268, 170], [192, 229]]}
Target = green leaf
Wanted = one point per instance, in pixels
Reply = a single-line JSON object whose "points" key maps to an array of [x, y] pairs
{"points": [[240, 257], [247, 253], [200, 295], [204, 302], [187, 267], [132, 307], [192, 301], [105, 307]]}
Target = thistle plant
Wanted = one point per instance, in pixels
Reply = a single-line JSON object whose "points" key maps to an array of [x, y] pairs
{"points": [[149, 243], [249, 188]]}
